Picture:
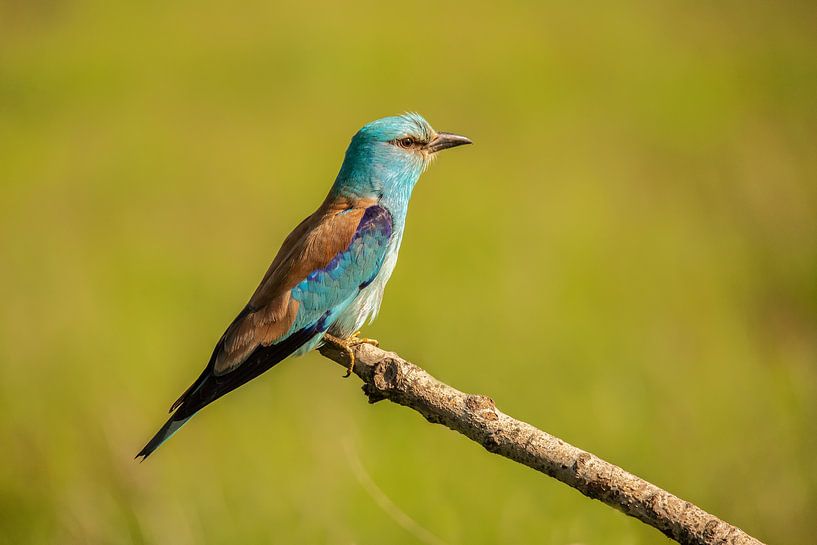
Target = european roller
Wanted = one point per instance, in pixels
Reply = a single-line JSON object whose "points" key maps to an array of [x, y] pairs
{"points": [[328, 277]]}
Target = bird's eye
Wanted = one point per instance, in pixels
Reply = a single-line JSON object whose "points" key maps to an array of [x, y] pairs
{"points": [[406, 142]]}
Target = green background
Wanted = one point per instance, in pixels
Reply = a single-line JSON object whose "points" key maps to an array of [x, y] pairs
{"points": [[626, 258]]}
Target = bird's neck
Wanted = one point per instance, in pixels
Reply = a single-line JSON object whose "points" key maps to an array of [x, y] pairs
{"points": [[388, 188], [396, 202]]}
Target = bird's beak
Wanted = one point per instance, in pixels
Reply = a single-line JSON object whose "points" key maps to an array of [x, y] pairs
{"points": [[445, 140]]}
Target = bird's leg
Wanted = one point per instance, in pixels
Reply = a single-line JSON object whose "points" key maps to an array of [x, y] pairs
{"points": [[346, 345]]}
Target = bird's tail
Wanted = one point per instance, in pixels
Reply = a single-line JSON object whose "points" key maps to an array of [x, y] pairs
{"points": [[166, 432]]}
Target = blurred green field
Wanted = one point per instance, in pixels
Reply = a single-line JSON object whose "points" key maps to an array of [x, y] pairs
{"points": [[627, 258]]}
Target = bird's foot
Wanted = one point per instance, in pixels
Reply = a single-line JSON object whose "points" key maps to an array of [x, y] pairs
{"points": [[347, 346], [356, 339]]}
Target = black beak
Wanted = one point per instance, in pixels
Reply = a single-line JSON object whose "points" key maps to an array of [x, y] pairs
{"points": [[445, 140]]}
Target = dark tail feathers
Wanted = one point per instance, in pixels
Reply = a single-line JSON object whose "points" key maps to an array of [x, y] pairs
{"points": [[167, 431]]}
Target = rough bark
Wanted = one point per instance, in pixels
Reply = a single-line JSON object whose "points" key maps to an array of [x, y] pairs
{"points": [[388, 376]]}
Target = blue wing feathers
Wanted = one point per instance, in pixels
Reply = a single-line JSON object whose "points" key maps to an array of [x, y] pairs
{"points": [[335, 286]]}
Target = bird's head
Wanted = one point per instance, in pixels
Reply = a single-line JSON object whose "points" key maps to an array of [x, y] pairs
{"points": [[389, 155]]}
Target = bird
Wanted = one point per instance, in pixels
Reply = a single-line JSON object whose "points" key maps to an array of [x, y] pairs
{"points": [[327, 279]]}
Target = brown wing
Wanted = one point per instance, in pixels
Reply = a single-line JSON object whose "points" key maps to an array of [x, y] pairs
{"points": [[271, 311]]}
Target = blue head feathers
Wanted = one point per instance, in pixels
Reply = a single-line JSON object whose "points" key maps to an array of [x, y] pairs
{"points": [[387, 156]]}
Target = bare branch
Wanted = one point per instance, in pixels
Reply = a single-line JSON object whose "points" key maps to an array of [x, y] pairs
{"points": [[387, 376]]}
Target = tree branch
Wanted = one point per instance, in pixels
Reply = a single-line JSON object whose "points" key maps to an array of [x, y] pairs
{"points": [[387, 376]]}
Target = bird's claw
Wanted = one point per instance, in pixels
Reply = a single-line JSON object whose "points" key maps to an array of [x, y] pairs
{"points": [[356, 339], [347, 346]]}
